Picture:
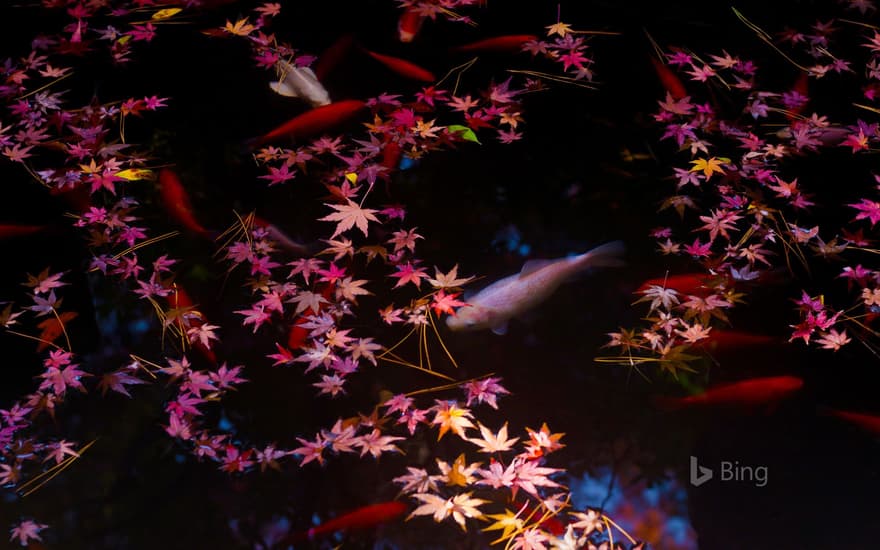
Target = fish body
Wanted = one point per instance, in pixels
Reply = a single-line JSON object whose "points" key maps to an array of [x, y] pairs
{"points": [[365, 517], [177, 203], [497, 44], [867, 422], [14, 230], [735, 339], [746, 393], [669, 80], [314, 121], [333, 56], [299, 82], [493, 306], [408, 25], [404, 68]]}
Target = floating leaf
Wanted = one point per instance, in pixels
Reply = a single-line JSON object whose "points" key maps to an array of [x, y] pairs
{"points": [[464, 132]]}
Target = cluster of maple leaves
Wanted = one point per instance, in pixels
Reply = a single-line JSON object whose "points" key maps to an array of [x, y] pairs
{"points": [[752, 205], [98, 172]]}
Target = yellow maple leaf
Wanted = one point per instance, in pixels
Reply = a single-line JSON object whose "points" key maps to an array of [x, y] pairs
{"points": [[135, 174], [508, 523], [559, 28], [165, 14], [240, 28], [708, 166], [451, 417]]}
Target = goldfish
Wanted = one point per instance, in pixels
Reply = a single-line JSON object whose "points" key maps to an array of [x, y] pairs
{"points": [[867, 422], [408, 25], [670, 81], [14, 230], [734, 339], [299, 82], [365, 517], [404, 68], [745, 393], [314, 121], [54, 327], [497, 44], [177, 203], [332, 56], [493, 306]]}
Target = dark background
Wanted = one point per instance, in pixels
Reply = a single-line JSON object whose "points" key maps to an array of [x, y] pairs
{"points": [[136, 489]]}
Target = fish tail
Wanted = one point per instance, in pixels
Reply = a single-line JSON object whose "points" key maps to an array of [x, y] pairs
{"points": [[605, 255]]}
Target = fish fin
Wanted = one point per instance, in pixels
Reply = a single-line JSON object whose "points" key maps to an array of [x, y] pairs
{"points": [[501, 329], [282, 88], [605, 255], [533, 265], [310, 72]]}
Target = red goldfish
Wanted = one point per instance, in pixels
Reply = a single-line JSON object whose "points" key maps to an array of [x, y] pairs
{"points": [[177, 203], [409, 24], [670, 81], [867, 422], [314, 121], [404, 68], [746, 393], [734, 339], [365, 517], [497, 44], [332, 56], [13, 230]]}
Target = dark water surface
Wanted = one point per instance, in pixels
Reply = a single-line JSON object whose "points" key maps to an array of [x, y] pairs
{"points": [[567, 186]]}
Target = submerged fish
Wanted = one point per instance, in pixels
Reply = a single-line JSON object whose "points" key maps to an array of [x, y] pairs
{"points": [[493, 306], [497, 44], [299, 82], [404, 68], [409, 24], [746, 393], [365, 517], [177, 203], [867, 422], [315, 121]]}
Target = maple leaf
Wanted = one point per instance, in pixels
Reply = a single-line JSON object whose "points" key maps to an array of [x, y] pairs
{"points": [[350, 289], [452, 417], [240, 28], [350, 215], [117, 380], [444, 303], [491, 443], [448, 280], [459, 507], [559, 28], [459, 473], [508, 523], [709, 166]]}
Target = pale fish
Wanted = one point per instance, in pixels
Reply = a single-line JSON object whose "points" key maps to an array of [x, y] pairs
{"points": [[512, 296], [299, 82]]}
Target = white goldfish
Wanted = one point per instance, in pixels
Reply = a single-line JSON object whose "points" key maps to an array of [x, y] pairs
{"points": [[493, 306], [299, 82]]}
